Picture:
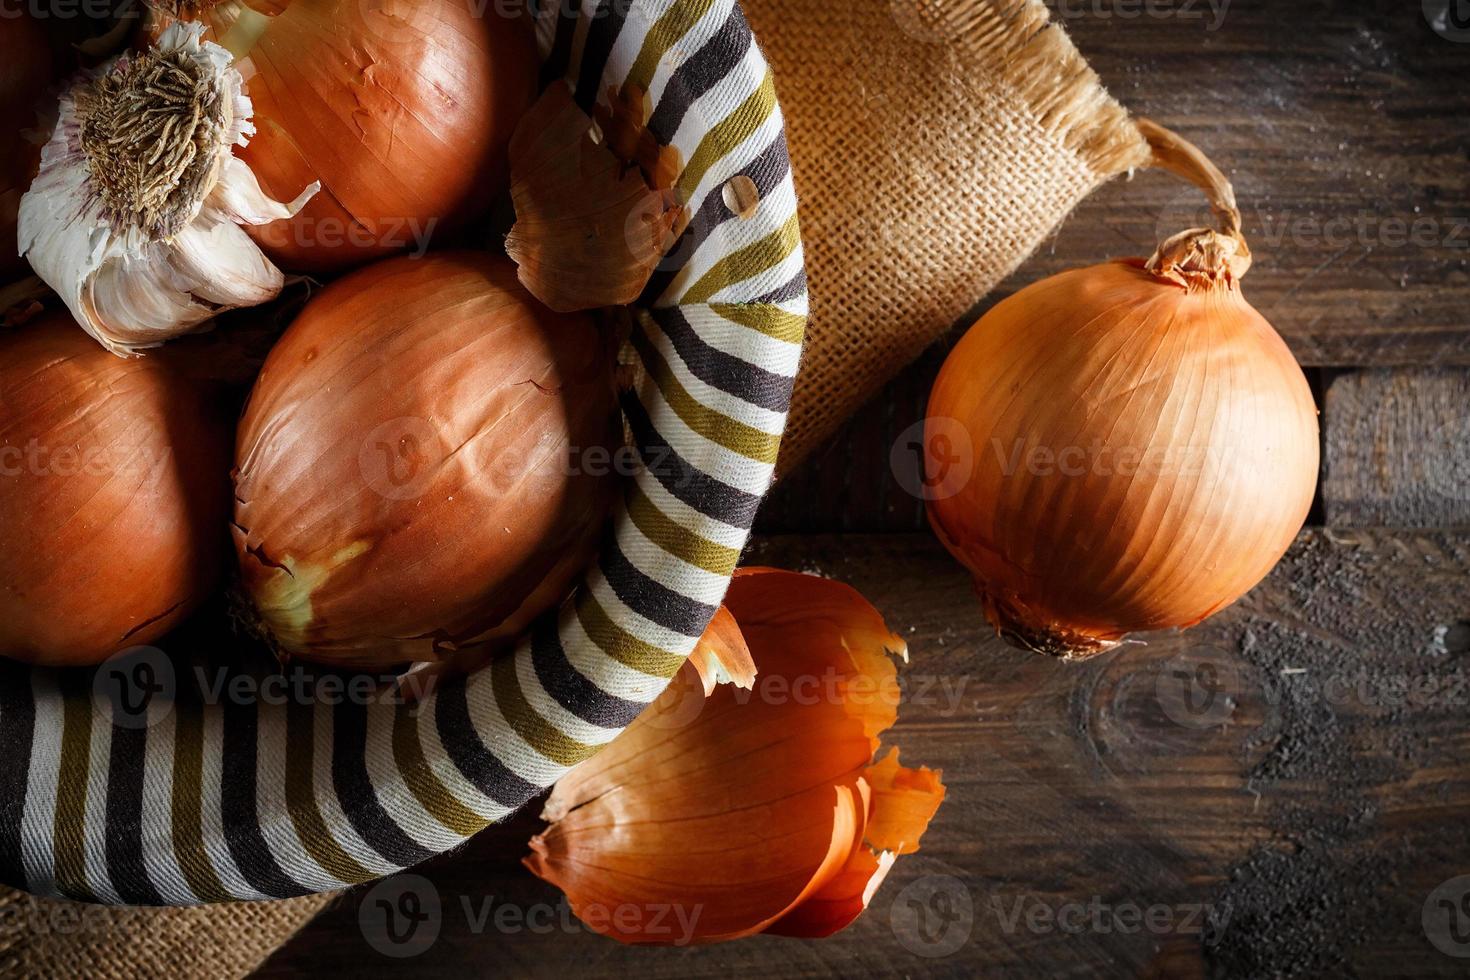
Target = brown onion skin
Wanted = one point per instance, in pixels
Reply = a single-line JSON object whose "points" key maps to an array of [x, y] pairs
{"points": [[113, 528], [27, 69], [1071, 556], [395, 366], [406, 121]]}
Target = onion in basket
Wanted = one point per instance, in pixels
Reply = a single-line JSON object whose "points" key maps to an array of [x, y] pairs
{"points": [[1124, 447], [114, 496], [423, 464], [401, 109]]}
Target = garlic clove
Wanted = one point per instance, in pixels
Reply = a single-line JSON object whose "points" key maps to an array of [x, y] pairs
{"points": [[754, 812], [238, 197], [133, 218]]}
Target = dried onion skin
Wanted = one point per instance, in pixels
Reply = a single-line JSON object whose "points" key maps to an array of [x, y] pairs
{"points": [[114, 496], [410, 480]]}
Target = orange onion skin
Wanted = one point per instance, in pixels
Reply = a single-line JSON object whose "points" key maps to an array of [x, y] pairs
{"points": [[27, 68], [408, 481], [114, 496], [402, 109], [1124, 453]]}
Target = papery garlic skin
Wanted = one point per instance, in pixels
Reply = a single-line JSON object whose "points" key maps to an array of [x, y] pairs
{"points": [[134, 218]]}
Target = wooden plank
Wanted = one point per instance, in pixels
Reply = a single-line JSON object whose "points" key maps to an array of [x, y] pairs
{"points": [[1397, 449], [1264, 767], [1320, 112]]}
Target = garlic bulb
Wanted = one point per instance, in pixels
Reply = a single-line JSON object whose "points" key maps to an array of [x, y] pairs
{"points": [[135, 216]]}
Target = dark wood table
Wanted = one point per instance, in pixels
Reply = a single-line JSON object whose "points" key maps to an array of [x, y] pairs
{"points": [[1310, 816]]}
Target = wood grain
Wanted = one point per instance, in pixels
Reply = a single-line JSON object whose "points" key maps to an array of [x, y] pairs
{"points": [[1320, 111], [1294, 767], [1397, 449]]}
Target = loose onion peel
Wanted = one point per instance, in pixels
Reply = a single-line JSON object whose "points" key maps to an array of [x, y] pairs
{"points": [[595, 205], [749, 811]]}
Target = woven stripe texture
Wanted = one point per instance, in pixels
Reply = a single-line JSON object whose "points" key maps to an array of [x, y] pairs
{"points": [[217, 800]]}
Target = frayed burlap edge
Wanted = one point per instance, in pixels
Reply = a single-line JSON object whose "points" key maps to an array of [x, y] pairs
{"points": [[935, 146]]}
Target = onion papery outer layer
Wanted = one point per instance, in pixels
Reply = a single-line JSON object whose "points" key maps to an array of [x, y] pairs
{"points": [[114, 493], [27, 69], [1126, 451], [423, 464], [750, 811], [402, 109]]}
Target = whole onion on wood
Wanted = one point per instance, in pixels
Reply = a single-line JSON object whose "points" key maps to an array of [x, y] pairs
{"points": [[410, 478], [114, 496], [1124, 447], [402, 109]]}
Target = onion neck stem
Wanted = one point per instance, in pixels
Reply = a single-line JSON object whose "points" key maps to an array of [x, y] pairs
{"points": [[1198, 251]]}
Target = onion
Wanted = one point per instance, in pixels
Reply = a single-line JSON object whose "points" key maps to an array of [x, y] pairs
{"points": [[113, 497], [402, 109], [1124, 447], [416, 471], [27, 68]]}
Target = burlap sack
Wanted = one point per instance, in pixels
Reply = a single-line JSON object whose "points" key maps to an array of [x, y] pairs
{"points": [[44, 938], [935, 145]]}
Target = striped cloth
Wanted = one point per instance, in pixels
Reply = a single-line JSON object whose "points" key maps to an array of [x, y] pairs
{"points": [[217, 799]]}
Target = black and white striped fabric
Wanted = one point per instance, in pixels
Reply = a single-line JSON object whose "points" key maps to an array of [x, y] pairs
{"points": [[206, 796]]}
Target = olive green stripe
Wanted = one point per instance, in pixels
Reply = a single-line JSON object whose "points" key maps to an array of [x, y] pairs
{"points": [[673, 25], [730, 132], [679, 541], [69, 827], [408, 754], [188, 800], [717, 427], [747, 263], [534, 730], [764, 318], [311, 829], [621, 645]]}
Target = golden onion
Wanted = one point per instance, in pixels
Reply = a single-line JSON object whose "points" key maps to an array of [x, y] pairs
{"points": [[402, 109], [1123, 447], [423, 465], [114, 496]]}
